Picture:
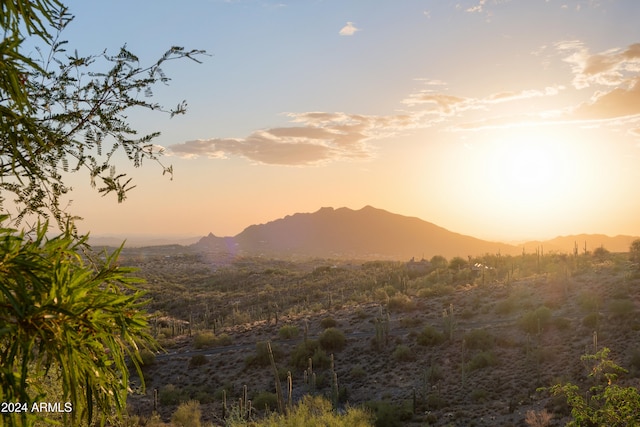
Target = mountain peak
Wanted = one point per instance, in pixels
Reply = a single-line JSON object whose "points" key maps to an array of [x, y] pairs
{"points": [[367, 233]]}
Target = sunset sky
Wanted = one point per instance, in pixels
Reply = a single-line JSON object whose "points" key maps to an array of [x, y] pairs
{"points": [[501, 119]]}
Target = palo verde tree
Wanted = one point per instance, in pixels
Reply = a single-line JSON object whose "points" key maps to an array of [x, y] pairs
{"points": [[606, 403], [64, 112], [67, 317]]}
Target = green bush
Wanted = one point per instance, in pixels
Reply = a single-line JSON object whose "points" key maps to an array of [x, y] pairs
{"points": [[591, 320], [400, 303], [534, 321], [479, 339], [403, 353], [436, 290], [265, 401], [209, 339], [479, 395], [261, 357], [608, 404], [302, 352], [410, 322], [358, 372], [621, 308], [389, 414], [197, 360], [171, 395], [430, 336], [328, 322], [505, 306], [482, 360], [288, 332], [188, 414], [148, 357], [589, 301], [332, 339]]}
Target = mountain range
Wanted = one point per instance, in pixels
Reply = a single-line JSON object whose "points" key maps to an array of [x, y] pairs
{"points": [[371, 233]]}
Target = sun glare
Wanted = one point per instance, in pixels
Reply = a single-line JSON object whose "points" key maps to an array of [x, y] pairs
{"points": [[528, 169], [531, 176]]}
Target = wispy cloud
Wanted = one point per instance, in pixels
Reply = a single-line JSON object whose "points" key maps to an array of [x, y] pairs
{"points": [[616, 103], [610, 68], [349, 29], [477, 8], [320, 137], [449, 105], [316, 138]]}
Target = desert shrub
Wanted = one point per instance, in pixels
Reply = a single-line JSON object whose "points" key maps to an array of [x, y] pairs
{"points": [[534, 321], [148, 357], [620, 308], [288, 332], [601, 253], [358, 372], [400, 303], [360, 313], [562, 323], [302, 352], [197, 360], [634, 363], [188, 414], [591, 320], [479, 395], [320, 358], [332, 339], [436, 290], [430, 336], [467, 314], [589, 301], [403, 353], [311, 411], [390, 415], [482, 360], [265, 401], [380, 295], [154, 421], [261, 357], [479, 339], [410, 322], [328, 322], [171, 395], [505, 306], [209, 339], [435, 401], [433, 373]]}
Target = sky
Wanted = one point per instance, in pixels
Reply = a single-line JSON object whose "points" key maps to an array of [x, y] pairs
{"points": [[501, 119]]}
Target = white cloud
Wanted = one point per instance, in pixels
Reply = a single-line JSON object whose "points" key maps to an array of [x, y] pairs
{"points": [[608, 68], [315, 138], [478, 7], [349, 29]]}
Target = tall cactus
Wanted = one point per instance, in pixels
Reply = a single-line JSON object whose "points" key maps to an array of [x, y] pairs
{"points": [[275, 374]]}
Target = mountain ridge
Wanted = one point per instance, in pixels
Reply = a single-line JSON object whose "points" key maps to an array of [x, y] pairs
{"points": [[373, 233]]}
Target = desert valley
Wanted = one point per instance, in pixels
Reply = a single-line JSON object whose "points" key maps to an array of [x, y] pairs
{"points": [[419, 325]]}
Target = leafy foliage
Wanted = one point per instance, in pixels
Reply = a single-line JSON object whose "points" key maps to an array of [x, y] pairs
{"points": [[332, 339], [606, 403], [64, 112], [63, 315]]}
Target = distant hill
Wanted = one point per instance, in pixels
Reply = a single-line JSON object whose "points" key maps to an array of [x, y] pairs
{"points": [[592, 241], [136, 241], [368, 233]]}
